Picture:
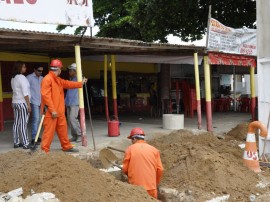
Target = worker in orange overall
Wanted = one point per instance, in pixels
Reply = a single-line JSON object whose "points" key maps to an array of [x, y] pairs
{"points": [[142, 163], [52, 95]]}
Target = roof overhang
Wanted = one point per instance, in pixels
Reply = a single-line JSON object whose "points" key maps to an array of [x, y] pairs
{"points": [[62, 45]]}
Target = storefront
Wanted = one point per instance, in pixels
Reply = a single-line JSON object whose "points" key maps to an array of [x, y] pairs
{"points": [[37, 48]]}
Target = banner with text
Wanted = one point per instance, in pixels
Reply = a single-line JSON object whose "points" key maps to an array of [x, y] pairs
{"points": [[228, 40], [65, 12]]}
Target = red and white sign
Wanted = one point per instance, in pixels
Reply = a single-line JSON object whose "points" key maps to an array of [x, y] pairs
{"points": [[228, 40], [216, 58], [65, 12]]}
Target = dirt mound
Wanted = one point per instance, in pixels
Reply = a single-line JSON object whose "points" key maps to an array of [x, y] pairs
{"points": [[204, 165], [69, 178], [238, 133]]}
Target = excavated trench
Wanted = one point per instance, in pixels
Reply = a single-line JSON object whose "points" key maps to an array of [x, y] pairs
{"points": [[201, 167], [198, 167]]}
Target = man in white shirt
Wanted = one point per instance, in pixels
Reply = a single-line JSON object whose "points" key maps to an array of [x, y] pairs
{"points": [[35, 82]]}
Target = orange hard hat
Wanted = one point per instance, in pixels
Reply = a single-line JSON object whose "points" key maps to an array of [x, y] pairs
{"points": [[56, 63], [136, 132]]}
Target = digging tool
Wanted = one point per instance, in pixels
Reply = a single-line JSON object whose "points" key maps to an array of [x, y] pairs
{"points": [[115, 149], [90, 117], [114, 164], [34, 146], [108, 158]]}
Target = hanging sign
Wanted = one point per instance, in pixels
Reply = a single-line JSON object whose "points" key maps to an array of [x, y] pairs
{"points": [[217, 58], [65, 12], [228, 40]]}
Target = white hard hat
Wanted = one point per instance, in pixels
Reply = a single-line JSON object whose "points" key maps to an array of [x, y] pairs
{"points": [[72, 66]]}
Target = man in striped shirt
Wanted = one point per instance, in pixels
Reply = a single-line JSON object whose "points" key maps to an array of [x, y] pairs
{"points": [[35, 80]]}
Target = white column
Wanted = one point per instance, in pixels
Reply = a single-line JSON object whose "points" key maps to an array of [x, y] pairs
{"points": [[263, 65]]}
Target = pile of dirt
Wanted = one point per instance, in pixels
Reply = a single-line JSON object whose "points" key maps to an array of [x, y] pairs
{"points": [[238, 133], [205, 166], [69, 178]]}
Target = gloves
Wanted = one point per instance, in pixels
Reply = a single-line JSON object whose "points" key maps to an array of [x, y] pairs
{"points": [[54, 115]]}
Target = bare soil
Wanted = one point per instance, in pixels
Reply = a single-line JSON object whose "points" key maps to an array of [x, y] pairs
{"points": [[205, 166], [238, 133], [198, 164], [69, 178]]}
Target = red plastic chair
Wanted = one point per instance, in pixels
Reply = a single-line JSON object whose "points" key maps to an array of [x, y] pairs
{"points": [[244, 104]]}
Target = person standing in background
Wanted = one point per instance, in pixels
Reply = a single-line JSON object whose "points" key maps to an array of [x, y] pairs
{"points": [[34, 80], [72, 104], [133, 96], [153, 101], [21, 105]]}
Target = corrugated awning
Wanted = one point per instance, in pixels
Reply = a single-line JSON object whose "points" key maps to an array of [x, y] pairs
{"points": [[231, 59]]}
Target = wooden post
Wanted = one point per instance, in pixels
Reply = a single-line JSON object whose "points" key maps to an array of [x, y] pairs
{"points": [[252, 92], [208, 94], [114, 94], [198, 93], [80, 90], [106, 87]]}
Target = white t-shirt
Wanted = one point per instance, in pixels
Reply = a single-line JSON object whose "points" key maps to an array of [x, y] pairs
{"points": [[21, 88]]}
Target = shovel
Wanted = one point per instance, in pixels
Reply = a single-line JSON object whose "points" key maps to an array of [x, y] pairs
{"points": [[34, 146], [115, 149], [108, 158]]}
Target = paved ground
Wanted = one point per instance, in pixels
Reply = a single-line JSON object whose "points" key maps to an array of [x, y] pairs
{"points": [[222, 122]]}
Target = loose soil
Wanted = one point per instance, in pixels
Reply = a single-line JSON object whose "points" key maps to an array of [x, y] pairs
{"points": [[200, 165], [238, 133], [205, 166], [69, 178]]}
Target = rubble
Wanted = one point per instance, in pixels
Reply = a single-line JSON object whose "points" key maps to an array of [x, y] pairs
{"points": [[16, 196]]}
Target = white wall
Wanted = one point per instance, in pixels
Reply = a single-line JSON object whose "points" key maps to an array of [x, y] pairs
{"points": [[263, 63]]}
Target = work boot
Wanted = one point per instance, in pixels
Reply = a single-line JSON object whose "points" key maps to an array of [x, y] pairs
{"points": [[79, 139], [26, 146], [72, 150], [39, 140], [18, 145], [73, 139], [33, 142]]}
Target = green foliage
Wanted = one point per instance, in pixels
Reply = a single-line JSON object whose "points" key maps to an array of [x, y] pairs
{"points": [[153, 20]]}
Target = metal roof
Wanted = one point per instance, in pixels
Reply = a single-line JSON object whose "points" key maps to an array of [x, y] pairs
{"points": [[62, 45]]}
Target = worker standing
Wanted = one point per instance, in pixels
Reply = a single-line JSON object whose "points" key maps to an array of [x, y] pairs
{"points": [[52, 95], [142, 163], [72, 104]]}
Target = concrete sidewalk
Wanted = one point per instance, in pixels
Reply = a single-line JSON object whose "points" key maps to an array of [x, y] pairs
{"points": [[222, 123]]}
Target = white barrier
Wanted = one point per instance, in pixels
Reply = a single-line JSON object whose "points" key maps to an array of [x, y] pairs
{"points": [[173, 121]]}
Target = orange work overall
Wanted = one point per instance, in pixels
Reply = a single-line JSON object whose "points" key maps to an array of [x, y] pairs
{"points": [[142, 165], [52, 95]]}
